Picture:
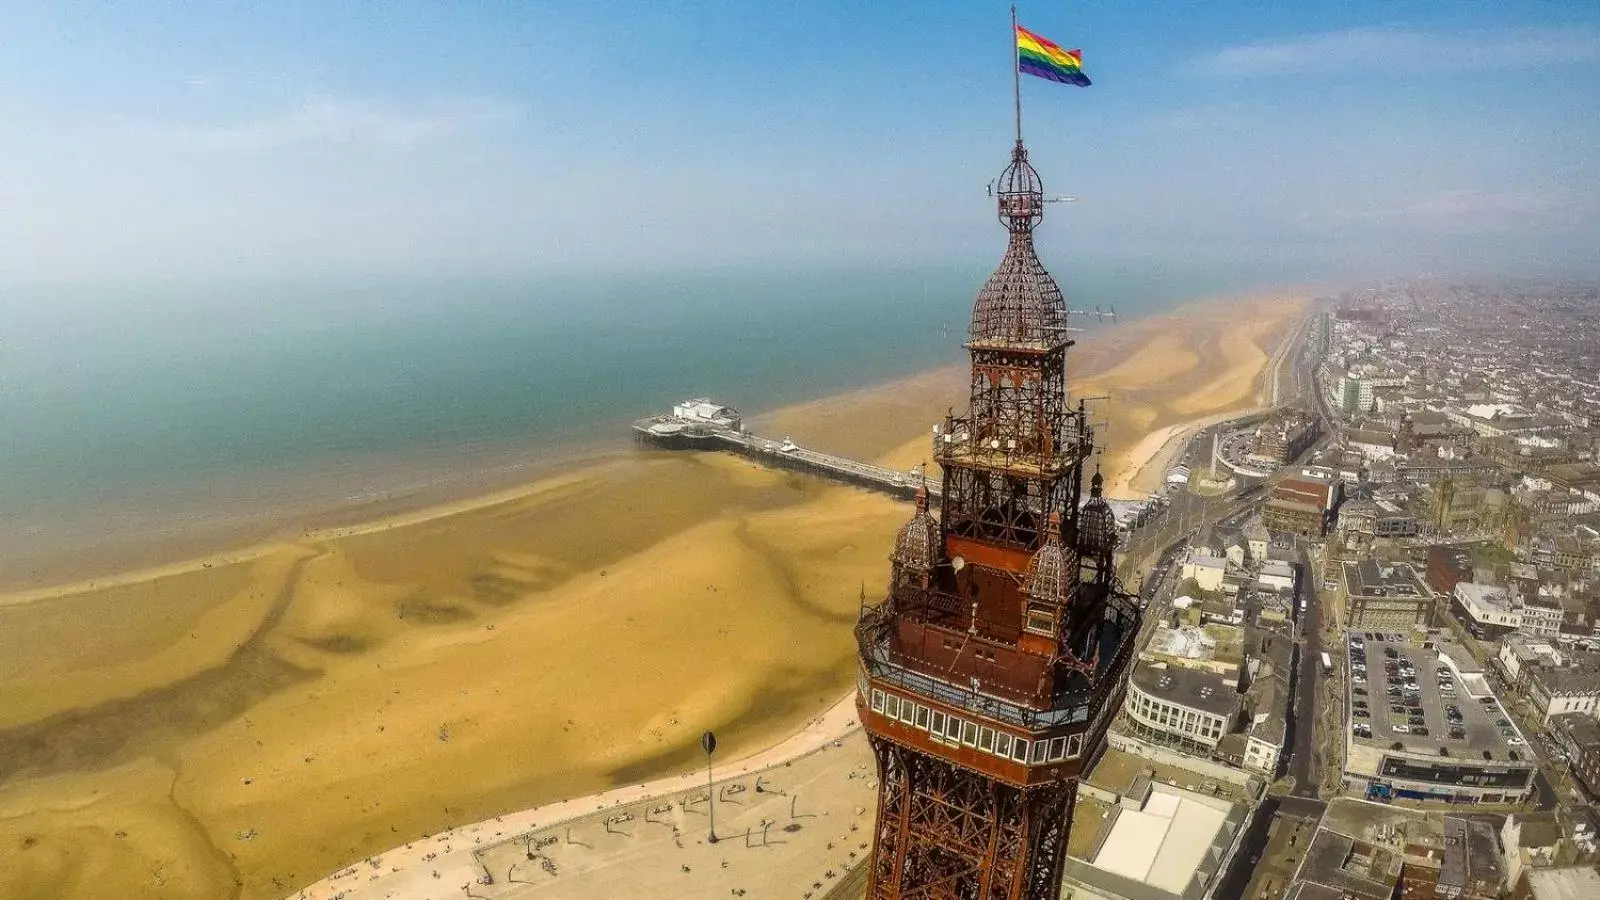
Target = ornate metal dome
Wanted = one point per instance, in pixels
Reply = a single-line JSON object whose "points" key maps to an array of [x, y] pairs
{"points": [[1020, 303], [917, 545], [1021, 193], [1097, 524], [1054, 569]]}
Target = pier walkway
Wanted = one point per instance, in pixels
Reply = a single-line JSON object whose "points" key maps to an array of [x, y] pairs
{"points": [[675, 433], [726, 432]]}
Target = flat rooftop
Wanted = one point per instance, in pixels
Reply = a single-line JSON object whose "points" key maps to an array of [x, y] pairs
{"points": [[1162, 844], [1117, 771], [1172, 846], [1383, 823], [1568, 883], [1480, 721], [1370, 578], [1212, 642], [1205, 691]]}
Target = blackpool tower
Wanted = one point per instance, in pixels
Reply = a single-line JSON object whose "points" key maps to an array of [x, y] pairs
{"points": [[989, 672]]}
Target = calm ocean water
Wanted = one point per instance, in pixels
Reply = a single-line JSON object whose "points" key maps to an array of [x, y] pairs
{"points": [[136, 411]]}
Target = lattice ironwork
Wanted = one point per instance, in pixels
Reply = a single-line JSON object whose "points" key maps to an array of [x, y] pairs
{"points": [[943, 834], [1030, 632], [1020, 306]]}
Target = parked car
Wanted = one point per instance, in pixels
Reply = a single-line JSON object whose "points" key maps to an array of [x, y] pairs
{"points": [[1419, 730], [1401, 729]]}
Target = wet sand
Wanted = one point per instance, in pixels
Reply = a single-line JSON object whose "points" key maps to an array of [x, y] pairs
{"points": [[247, 723]]}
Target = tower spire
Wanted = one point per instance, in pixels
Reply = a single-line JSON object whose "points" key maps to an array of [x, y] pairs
{"points": [[984, 689]]}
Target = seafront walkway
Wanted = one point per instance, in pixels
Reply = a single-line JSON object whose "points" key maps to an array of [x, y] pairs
{"points": [[791, 820]]}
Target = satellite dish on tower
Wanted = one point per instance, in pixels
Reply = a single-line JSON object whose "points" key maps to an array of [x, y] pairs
{"points": [[957, 563]]}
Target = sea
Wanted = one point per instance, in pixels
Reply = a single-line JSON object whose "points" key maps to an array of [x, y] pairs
{"points": [[137, 414]]}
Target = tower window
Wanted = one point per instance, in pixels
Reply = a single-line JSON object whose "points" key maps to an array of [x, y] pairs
{"points": [[1074, 746], [1058, 748], [1019, 750], [922, 716], [891, 706], [1041, 620], [877, 701], [986, 740], [1039, 750], [938, 723], [1002, 744]]}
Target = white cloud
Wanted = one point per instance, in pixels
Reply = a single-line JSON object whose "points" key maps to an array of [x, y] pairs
{"points": [[1404, 50], [330, 121]]}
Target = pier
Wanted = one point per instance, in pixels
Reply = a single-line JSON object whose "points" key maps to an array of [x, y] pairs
{"points": [[705, 425]]}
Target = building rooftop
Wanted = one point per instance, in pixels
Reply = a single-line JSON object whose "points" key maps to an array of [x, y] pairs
{"points": [[1172, 845], [1472, 852], [1486, 596], [1214, 642], [1566, 883], [1581, 727], [1569, 680], [1119, 772], [1205, 691], [1370, 578], [1352, 868]]}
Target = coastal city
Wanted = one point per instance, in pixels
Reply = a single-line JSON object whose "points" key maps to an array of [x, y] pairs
{"points": [[1387, 662], [820, 451], [1369, 659]]}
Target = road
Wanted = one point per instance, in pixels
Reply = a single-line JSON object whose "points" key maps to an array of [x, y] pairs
{"points": [[1254, 843], [1302, 719]]}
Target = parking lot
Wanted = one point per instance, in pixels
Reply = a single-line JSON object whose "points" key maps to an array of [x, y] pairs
{"points": [[1400, 693]]}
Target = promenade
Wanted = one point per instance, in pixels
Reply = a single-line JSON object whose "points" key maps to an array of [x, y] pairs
{"points": [[791, 821]]}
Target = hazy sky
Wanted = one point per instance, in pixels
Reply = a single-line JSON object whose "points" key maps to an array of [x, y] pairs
{"points": [[166, 141]]}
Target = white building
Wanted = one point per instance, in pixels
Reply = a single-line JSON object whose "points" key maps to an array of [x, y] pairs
{"points": [[1519, 651], [1205, 569], [1256, 537], [707, 411], [1541, 616], [1556, 691], [1193, 707], [1487, 610], [1261, 755]]}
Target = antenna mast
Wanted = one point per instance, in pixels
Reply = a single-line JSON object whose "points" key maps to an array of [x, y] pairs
{"points": [[1016, 75]]}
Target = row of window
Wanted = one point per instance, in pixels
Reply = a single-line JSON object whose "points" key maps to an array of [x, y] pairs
{"points": [[1169, 715], [956, 731]]}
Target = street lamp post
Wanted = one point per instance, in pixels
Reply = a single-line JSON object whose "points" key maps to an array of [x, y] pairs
{"points": [[708, 743]]}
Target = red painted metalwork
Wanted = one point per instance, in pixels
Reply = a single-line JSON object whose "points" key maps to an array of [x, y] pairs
{"points": [[988, 670]]}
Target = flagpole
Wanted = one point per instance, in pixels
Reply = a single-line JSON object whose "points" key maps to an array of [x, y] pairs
{"points": [[1016, 75]]}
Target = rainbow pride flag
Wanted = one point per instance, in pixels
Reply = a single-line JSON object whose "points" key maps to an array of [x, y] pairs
{"points": [[1044, 58]]}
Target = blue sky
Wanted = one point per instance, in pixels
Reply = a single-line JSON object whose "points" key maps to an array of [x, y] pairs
{"points": [[168, 141]]}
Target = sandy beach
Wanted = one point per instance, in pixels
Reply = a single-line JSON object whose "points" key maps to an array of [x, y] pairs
{"points": [[246, 723]]}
